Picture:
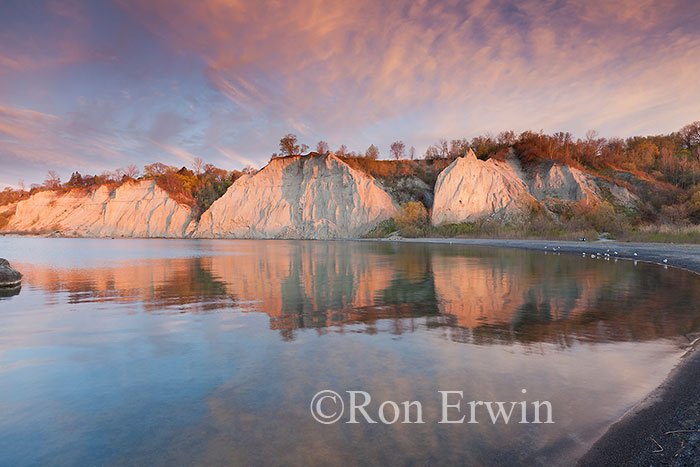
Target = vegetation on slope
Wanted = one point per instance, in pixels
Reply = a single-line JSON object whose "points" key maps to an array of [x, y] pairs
{"points": [[663, 170], [197, 187]]}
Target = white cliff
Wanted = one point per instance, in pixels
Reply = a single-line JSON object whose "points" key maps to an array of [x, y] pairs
{"points": [[134, 209], [469, 189], [314, 196], [552, 180], [562, 182]]}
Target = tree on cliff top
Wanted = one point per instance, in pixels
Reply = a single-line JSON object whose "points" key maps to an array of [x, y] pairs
{"points": [[398, 150], [289, 146], [342, 151], [53, 180], [372, 152], [322, 147], [691, 137]]}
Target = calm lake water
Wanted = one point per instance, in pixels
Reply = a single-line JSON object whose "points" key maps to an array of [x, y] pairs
{"points": [[162, 352]]}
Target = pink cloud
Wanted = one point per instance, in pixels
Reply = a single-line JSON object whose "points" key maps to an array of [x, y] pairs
{"points": [[361, 72], [355, 63]]}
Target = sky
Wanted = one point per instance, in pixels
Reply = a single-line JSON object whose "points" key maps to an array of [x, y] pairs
{"points": [[97, 85]]}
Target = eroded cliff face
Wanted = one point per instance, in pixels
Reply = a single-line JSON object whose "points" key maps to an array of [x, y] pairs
{"points": [[311, 197], [470, 189], [550, 180], [134, 209], [314, 197], [561, 182]]}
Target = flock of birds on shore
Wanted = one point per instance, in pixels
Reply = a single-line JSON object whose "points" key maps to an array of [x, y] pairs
{"points": [[607, 255]]}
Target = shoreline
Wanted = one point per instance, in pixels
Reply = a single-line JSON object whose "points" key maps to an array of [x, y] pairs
{"points": [[664, 427], [680, 256]]}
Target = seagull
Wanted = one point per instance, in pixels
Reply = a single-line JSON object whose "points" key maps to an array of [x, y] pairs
{"points": [[635, 253], [665, 260], [616, 252]]}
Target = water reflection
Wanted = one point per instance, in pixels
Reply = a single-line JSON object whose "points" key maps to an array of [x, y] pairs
{"points": [[470, 294], [9, 291], [169, 352]]}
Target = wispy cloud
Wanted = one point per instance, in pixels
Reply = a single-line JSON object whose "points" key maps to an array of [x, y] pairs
{"points": [[182, 154], [356, 63], [231, 155], [225, 79]]}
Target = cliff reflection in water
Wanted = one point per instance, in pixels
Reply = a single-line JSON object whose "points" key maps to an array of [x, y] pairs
{"points": [[468, 294]]}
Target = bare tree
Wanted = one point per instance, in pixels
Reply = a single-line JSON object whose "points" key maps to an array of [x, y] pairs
{"points": [[198, 165], [132, 171], [444, 148], [372, 152], [20, 184], [322, 147], [506, 138], [53, 180], [107, 176], [412, 153], [342, 151], [458, 148], [398, 150], [432, 153], [691, 137], [157, 169], [594, 144]]}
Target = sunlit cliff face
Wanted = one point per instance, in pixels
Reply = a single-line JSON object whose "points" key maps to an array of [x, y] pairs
{"points": [[477, 296], [98, 85]]}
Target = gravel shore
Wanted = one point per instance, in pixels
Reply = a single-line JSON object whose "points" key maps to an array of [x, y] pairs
{"points": [[664, 429]]}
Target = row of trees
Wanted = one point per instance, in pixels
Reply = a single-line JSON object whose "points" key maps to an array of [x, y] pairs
{"points": [[673, 158], [289, 146], [671, 155]]}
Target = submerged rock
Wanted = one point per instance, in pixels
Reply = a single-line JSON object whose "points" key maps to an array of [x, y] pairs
{"points": [[9, 277]]}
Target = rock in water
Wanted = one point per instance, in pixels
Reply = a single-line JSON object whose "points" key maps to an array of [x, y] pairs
{"points": [[9, 277], [317, 196]]}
